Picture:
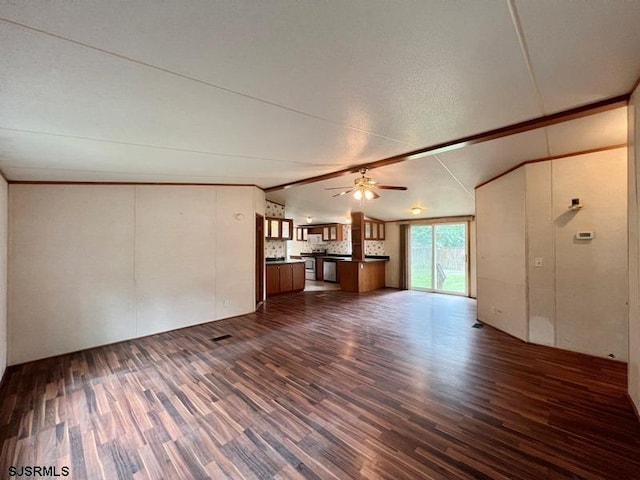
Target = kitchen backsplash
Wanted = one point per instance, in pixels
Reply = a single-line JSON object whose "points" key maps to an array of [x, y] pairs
{"points": [[374, 247], [275, 248]]}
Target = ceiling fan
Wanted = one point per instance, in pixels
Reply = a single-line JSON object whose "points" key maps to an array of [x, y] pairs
{"points": [[364, 187]]}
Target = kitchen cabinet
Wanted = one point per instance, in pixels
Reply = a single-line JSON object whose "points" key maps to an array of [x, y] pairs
{"points": [[373, 230], [332, 232], [302, 234], [358, 277], [278, 228], [285, 278]]}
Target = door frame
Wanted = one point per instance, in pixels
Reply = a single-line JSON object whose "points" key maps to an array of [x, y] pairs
{"points": [[259, 283]]}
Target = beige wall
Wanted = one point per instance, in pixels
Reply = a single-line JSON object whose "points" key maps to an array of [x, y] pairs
{"points": [[540, 232], [591, 275], [473, 261], [634, 248], [4, 228], [500, 245], [92, 265], [575, 296], [392, 247]]}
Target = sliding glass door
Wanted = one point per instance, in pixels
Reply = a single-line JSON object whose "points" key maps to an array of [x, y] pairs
{"points": [[438, 260]]}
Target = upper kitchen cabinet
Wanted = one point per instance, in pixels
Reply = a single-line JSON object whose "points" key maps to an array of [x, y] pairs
{"points": [[373, 230], [332, 233], [278, 228], [301, 234]]}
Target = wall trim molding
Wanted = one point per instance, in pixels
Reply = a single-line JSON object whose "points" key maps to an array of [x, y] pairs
{"points": [[425, 221], [554, 157], [160, 184]]}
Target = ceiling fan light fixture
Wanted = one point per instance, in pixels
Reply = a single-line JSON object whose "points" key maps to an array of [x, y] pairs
{"points": [[368, 194], [309, 219], [357, 194], [416, 210]]}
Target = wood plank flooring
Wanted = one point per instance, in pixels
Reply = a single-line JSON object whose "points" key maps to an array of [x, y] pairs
{"points": [[324, 385]]}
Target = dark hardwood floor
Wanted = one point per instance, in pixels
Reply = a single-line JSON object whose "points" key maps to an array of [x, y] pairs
{"points": [[388, 384]]}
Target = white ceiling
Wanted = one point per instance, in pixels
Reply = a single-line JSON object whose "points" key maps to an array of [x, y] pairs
{"points": [[271, 92]]}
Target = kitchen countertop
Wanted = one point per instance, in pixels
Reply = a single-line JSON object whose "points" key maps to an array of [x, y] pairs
{"points": [[281, 262], [349, 259]]}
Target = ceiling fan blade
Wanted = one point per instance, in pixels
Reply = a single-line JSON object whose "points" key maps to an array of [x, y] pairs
{"points": [[343, 193], [390, 187], [337, 188], [375, 195]]}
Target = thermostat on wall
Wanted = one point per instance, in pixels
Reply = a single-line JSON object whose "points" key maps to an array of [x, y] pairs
{"points": [[585, 235]]}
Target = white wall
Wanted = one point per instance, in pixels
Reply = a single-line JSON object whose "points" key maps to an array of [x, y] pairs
{"points": [[175, 255], [500, 247], [577, 298], [4, 228], [634, 249], [92, 265], [540, 232], [591, 276]]}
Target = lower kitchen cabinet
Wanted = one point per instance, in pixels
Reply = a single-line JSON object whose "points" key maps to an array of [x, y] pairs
{"points": [[285, 278]]}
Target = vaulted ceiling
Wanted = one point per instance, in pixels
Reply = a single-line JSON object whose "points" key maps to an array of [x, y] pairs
{"points": [[271, 92]]}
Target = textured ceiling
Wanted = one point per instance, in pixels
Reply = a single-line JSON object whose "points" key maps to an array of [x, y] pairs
{"points": [[271, 92]]}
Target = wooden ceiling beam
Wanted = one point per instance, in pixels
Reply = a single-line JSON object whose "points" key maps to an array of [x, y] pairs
{"points": [[540, 122]]}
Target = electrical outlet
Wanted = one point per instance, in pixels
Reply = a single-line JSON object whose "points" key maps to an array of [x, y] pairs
{"points": [[493, 309], [538, 262], [226, 302]]}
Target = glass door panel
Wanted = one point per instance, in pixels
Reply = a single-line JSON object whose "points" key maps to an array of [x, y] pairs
{"points": [[274, 230], [421, 257], [451, 257], [438, 260]]}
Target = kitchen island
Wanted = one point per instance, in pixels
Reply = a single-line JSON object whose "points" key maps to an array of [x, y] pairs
{"points": [[359, 276]]}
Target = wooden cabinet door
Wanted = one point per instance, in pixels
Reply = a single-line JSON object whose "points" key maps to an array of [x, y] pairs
{"points": [[381, 231], [367, 230], [333, 233], [286, 277], [274, 228], [286, 229], [325, 234], [319, 269], [273, 280], [305, 232], [298, 276]]}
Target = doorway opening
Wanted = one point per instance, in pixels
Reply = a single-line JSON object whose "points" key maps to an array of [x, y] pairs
{"points": [[259, 259], [438, 258]]}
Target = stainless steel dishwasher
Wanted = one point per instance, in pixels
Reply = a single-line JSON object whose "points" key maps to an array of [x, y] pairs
{"points": [[329, 271]]}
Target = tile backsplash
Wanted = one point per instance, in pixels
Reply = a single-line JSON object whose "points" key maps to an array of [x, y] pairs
{"points": [[275, 248], [374, 247]]}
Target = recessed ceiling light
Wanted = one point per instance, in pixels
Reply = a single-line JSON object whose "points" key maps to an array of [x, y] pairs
{"points": [[416, 210]]}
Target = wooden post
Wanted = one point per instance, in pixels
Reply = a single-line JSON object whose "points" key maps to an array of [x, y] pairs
{"points": [[357, 235]]}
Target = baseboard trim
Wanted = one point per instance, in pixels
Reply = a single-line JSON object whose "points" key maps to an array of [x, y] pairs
{"points": [[634, 406]]}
